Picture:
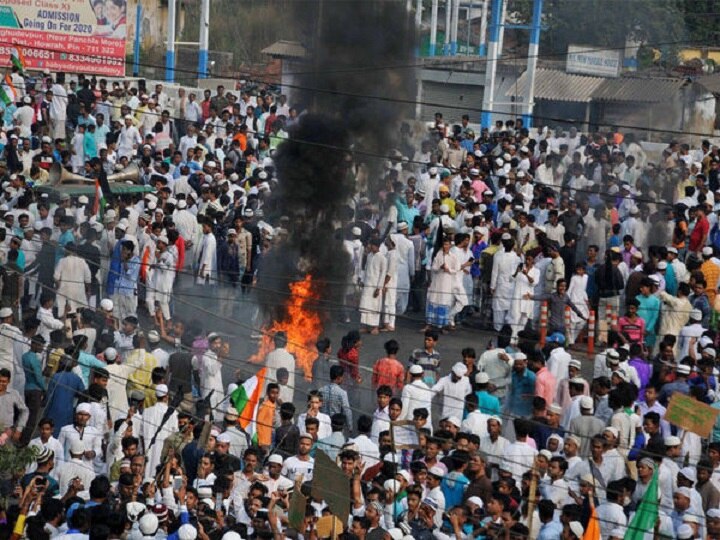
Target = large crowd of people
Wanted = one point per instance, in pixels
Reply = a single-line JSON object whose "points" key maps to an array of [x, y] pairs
{"points": [[118, 417]]}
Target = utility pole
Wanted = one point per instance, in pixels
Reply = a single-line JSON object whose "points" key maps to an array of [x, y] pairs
{"points": [[482, 49], [448, 24], [454, 27], [170, 50], [491, 64], [138, 36], [433, 27], [204, 39], [533, 50]]}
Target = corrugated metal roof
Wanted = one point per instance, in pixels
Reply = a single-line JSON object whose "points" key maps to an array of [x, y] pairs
{"points": [[291, 49], [643, 90], [710, 82], [557, 85]]}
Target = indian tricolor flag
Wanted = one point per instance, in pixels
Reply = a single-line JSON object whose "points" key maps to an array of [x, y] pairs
{"points": [[246, 399], [99, 202], [17, 58], [8, 94]]}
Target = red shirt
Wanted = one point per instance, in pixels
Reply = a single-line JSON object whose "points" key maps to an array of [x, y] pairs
{"points": [[349, 360], [388, 371], [180, 245], [700, 232]]}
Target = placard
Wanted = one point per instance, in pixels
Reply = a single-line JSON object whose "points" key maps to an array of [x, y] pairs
{"points": [[86, 36], [691, 414]]}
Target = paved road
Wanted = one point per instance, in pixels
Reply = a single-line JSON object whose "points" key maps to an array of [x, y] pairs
{"points": [[238, 326]]}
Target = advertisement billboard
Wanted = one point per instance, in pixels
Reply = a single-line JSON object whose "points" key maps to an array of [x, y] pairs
{"points": [[588, 60], [86, 36]]}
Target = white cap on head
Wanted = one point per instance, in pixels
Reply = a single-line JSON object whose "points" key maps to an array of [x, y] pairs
{"points": [[392, 485], [683, 369], [613, 430], [586, 402], [477, 501], [684, 491], [416, 369], [444, 208], [482, 378], [713, 513], [555, 408], [6, 312], [83, 408], [149, 524], [153, 336], [111, 353], [454, 420], [576, 528], [707, 251], [77, 447], [459, 369], [161, 390], [187, 532], [672, 440], [223, 438], [276, 458], [690, 473]]}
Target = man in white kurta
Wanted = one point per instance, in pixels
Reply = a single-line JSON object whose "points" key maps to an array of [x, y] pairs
{"points": [[505, 262], [160, 283], [206, 257], [9, 333], [390, 287], [373, 283], [281, 358], [406, 266], [454, 387], [117, 382], [72, 276], [152, 418], [210, 369], [416, 394]]}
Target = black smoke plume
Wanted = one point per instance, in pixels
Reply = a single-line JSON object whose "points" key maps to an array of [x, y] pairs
{"points": [[352, 45]]}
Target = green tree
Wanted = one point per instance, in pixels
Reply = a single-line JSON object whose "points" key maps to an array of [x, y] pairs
{"points": [[609, 23]]}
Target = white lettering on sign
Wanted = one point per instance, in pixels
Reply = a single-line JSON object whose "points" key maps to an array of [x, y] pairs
{"points": [[588, 60]]}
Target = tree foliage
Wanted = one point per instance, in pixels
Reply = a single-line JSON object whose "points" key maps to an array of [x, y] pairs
{"points": [[609, 23], [244, 27]]}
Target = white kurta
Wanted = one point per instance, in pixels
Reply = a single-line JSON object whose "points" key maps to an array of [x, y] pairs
{"points": [[370, 305], [440, 291], [211, 379], [8, 335], [390, 296], [501, 280], [406, 269], [152, 418], [73, 274], [207, 259], [281, 358], [454, 394], [521, 306]]}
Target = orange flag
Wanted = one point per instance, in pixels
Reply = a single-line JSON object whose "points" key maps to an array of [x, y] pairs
{"points": [[593, 529]]}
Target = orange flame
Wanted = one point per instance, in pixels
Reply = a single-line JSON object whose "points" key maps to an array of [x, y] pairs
{"points": [[302, 325]]}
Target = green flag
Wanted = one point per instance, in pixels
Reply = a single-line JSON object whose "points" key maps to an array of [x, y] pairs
{"points": [[647, 512]]}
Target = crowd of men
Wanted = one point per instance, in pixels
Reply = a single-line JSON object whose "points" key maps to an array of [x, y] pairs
{"points": [[115, 411]]}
